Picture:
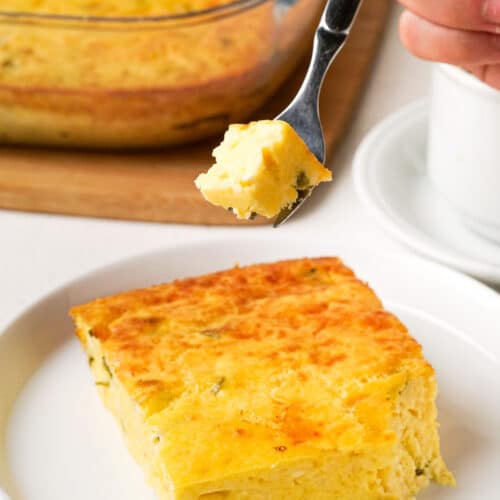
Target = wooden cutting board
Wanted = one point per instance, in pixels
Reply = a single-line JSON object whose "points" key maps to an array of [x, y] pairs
{"points": [[158, 186]]}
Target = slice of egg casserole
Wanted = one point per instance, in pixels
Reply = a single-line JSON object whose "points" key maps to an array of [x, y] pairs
{"points": [[259, 169], [274, 381]]}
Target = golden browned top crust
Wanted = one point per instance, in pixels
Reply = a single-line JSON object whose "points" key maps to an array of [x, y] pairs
{"points": [[310, 316]]}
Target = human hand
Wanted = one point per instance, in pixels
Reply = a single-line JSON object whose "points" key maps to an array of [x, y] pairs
{"points": [[464, 33]]}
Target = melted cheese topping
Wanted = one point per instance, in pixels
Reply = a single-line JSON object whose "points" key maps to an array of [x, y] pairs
{"points": [[275, 381]]}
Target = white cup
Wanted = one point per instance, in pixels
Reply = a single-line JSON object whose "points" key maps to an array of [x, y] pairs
{"points": [[463, 157]]}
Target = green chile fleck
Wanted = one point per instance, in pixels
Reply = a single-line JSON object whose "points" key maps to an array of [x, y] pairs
{"points": [[302, 181], [218, 386]]}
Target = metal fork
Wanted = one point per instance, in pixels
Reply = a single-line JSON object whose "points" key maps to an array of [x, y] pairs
{"points": [[303, 112]]}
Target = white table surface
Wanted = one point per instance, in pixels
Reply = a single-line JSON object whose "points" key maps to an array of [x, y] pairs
{"points": [[39, 252]]}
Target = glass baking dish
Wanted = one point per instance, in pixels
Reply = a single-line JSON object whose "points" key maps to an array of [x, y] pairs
{"points": [[131, 82]]}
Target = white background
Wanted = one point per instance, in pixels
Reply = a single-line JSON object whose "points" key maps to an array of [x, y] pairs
{"points": [[39, 252]]}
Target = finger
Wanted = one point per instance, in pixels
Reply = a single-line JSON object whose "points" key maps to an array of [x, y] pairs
{"points": [[475, 15], [438, 43], [489, 74]]}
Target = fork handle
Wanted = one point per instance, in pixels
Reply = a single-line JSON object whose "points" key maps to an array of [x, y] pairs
{"points": [[339, 15], [333, 29]]}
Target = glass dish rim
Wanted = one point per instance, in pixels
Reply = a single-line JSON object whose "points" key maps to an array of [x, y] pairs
{"points": [[232, 8]]}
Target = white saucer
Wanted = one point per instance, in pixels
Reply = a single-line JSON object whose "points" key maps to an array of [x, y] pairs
{"points": [[389, 173]]}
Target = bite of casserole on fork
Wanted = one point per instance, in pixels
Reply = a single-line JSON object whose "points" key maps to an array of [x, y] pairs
{"points": [[260, 169]]}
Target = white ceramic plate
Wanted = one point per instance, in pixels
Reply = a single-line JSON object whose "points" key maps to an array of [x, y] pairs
{"points": [[389, 173], [57, 442]]}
